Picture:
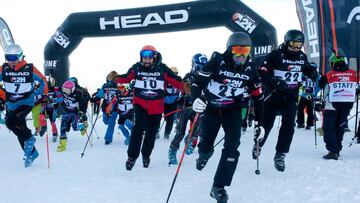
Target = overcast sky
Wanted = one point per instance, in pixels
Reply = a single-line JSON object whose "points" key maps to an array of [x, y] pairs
{"points": [[32, 23]]}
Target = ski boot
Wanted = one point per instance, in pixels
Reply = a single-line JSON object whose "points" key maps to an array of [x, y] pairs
{"points": [[279, 161], [331, 155], [300, 125], [62, 146], [166, 136], [29, 146], [30, 159], [146, 162], [130, 163], [219, 193], [189, 148], [172, 157]]}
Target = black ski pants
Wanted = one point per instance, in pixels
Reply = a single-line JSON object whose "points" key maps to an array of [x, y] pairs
{"points": [[143, 123], [16, 122], [287, 110], [168, 108], [333, 128], [211, 122], [304, 102]]}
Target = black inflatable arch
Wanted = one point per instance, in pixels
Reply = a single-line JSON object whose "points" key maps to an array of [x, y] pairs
{"points": [[232, 14]]}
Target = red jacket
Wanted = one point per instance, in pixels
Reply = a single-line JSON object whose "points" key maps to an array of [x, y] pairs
{"points": [[158, 74]]}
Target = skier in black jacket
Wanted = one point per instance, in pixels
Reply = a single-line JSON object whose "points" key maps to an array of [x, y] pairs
{"points": [[282, 72], [228, 81]]}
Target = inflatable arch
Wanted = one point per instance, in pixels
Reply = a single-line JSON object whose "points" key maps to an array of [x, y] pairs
{"points": [[233, 14]]}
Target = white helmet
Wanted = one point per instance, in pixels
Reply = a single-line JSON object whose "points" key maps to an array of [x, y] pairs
{"points": [[13, 52]]}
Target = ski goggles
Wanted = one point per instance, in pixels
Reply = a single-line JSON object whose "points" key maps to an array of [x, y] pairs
{"points": [[147, 54], [241, 50], [12, 57], [295, 45]]}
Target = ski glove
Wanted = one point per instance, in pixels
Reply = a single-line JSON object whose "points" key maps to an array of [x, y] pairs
{"points": [[259, 133], [199, 105]]}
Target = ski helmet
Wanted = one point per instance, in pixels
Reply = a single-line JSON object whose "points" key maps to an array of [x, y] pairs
{"points": [[13, 52], [68, 87], [148, 51], [338, 63], [174, 69], [238, 39], [198, 61], [294, 36], [74, 79]]}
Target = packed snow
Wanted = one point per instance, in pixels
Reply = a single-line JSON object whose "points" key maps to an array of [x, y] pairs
{"points": [[100, 176]]}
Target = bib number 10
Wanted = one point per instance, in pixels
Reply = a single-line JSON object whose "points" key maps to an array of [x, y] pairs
{"points": [[150, 83]]}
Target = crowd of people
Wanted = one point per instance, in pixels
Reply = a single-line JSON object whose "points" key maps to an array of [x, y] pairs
{"points": [[226, 90]]}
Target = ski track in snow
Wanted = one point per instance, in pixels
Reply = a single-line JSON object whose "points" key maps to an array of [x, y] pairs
{"points": [[100, 176]]}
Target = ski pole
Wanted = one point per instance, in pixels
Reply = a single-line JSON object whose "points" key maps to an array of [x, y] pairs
{"points": [[182, 156], [257, 171], [218, 142], [47, 150], [314, 120], [88, 139]]}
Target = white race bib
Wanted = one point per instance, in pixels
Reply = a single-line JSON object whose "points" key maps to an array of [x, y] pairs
{"points": [[223, 90], [342, 92], [290, 77]]}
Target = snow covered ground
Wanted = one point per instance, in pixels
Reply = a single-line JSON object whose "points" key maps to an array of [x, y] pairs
{"points": [[100, 176]]}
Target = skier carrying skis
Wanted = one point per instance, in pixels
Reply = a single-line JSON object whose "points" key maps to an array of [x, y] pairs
{"points": [[73, 113], [150, 76], [19, 78], [228, 80], [340, 93], [198, 61], [282, 72]]}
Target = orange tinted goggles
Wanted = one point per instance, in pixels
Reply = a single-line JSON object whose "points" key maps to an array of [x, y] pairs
{"points": [[295, 45], [241, 50]]}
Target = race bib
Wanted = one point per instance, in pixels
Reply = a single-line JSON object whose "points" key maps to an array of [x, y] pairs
{"points": [[149, 84], [18, 88], [224, 91], [290, 77], [342, 92]]}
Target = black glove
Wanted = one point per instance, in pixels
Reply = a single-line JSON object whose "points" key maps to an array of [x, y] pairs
{"points": [[279, 84], [259, 133]]}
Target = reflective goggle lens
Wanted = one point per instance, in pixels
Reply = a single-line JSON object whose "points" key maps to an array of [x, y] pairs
{"points": [[11, 57], [295, 45], [147, 54], [241, 50]]}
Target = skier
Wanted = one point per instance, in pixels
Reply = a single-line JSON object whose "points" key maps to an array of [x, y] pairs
{"points": [[228, 80], [307, 95], [126, 111], [108, 92], [340, 93], [282, 72], [19, 77], [150, 75], [35, 111], [197, 62], [49, 108], [73, 113], [171, 99]]}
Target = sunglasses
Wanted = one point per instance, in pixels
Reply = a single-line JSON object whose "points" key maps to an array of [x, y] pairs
{"points": [[147, 54], [11, 57], [241, 50], [295, 45]]}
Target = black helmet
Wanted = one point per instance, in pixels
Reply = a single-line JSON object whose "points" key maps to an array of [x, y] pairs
{"points": [[294, 36], [238, 39]]}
